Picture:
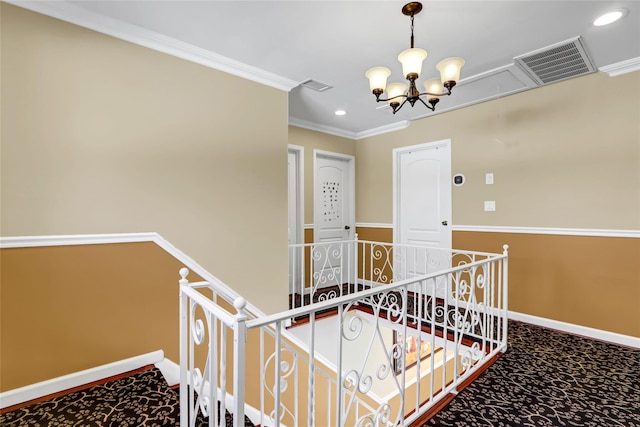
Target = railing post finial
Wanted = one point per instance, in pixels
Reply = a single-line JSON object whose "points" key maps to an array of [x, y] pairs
{"points": [[184, 272], [240, 303], [506, 249]]}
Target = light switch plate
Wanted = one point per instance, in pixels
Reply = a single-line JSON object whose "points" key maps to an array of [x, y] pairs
{"points": [[488, 178], [489, 206]]}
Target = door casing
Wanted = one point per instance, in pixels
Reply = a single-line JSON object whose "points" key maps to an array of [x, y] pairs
{"points": [[296, 214]]}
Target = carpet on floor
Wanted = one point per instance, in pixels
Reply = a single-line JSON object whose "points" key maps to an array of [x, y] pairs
{"points": [[141, 399], [551, 378]]}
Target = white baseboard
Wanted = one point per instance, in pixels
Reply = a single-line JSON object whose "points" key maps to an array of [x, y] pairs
{"points": [[170, 370], [66, 382], [584, 331]]}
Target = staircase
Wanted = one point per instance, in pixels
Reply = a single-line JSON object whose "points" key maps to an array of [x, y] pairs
{"points": [[392, 300]]}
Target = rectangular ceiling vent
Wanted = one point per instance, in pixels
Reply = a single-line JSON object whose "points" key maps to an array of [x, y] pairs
{"points": [[315, 85], [557, 62]]}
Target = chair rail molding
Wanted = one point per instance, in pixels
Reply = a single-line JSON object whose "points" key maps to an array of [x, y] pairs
{"points": [[98, 239], [589, 232]]}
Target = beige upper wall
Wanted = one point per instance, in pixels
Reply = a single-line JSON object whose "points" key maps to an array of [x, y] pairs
{"points": [[103, 136], [565, 155], [312, 140]]}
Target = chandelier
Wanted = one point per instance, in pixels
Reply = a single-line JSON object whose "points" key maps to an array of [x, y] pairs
{"points": [[411, 60]]}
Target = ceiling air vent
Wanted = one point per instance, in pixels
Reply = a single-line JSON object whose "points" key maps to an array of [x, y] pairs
{"points": [[557, 62], [315, 85]]}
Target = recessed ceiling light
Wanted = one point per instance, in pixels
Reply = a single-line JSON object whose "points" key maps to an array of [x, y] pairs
{"points": [[609, 17], [340, 113]]}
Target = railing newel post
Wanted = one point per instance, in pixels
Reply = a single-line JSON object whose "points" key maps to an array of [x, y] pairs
{"points": [[239, 357], [505, 296], [312, 338], [184, 336], [356, 287]]}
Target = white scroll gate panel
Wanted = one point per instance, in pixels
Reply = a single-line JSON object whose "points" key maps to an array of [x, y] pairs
{"points": [[422, 208], [333, 218]]}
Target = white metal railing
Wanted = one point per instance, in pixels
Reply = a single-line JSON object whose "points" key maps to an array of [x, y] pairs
{"points": [[408, 326], [325, 270]]}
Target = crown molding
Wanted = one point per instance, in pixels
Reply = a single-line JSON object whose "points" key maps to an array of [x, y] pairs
{"points": [[622, 67], [383, 129], [293, 121], [68, 12]]}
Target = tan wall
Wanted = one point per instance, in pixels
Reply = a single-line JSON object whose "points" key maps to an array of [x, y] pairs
{"points": [[312, 140], [103, 136], [382, 234], [564, 155], [587, 281], [69, 308]]}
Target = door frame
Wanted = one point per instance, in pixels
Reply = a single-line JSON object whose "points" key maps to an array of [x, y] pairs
{"points": [[351, 216], [298, 263], [446, 143], [298, 151]]}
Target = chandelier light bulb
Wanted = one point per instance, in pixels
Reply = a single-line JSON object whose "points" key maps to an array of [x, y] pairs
{"points": [[411, 60], [433, 86], [395, 89], [378, 78], [450, 69]]}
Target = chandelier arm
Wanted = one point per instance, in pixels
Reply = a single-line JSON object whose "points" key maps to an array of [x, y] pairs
{"points": [[447, 93], [395, 110], [389, 99], [432, 108]]}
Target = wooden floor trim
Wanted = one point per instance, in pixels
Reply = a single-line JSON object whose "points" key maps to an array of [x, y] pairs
{"points": [[448, 398], [74, 389]]}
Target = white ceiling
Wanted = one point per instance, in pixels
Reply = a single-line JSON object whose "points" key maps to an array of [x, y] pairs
{"points": [[283, 43]]}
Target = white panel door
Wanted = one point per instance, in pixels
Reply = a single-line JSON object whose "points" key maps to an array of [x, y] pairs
{"points": [[423, 207], [333, 218]]}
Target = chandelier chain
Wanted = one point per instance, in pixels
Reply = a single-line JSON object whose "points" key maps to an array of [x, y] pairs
{"points": [[411, 31]]}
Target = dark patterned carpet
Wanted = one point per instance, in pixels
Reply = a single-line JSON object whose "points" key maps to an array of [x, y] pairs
{"points": [[546, 378], [549, 378], [142, 399]]}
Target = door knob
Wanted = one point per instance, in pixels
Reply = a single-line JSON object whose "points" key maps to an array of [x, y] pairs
{"points": [[346, 227], [445, 223]]}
